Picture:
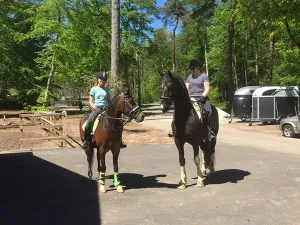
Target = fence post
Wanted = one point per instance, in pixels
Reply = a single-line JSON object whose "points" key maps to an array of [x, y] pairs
{"points": [[21, 129], [64, 127]]}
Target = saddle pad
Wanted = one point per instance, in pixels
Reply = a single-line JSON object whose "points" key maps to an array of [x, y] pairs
{"points": [[95, 124], [197, 108]]}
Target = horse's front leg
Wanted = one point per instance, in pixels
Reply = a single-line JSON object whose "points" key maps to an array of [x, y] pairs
{"points": [[90, 156], [203, 162], [117, 182], [183, 177], [101, 152], [201, 177], [99, 164]]}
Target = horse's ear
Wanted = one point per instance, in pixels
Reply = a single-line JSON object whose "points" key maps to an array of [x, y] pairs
{"points": [[170, 74], [161, 73], [128, 91]]}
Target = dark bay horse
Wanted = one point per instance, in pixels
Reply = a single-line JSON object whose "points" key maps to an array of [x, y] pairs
{"points": [[188, 127], [108, 135]]}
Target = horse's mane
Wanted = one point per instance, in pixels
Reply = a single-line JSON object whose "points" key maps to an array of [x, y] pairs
{"points": [[181, 85]]}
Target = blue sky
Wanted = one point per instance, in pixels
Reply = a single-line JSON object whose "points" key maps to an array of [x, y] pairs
{"points": [[157, 23]]}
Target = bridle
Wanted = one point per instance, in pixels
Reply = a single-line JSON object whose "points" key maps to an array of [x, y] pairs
{"points": [[132, 113], [167, 100]]}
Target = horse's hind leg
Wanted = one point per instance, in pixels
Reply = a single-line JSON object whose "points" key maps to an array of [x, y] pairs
{"points": [[212, 159], [117, 182], [90, 156], [183, 180], [201, 177]]}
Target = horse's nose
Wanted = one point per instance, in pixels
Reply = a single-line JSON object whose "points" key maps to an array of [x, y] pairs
{"points": [[140, 118]]}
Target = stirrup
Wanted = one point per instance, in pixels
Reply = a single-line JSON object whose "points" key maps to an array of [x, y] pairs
{"points": [[170, 134], [85, 145], [123, 145], [211, 137]]}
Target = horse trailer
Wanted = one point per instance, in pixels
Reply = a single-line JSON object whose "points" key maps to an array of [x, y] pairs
{"points": [[273, 103], [242, 102]]}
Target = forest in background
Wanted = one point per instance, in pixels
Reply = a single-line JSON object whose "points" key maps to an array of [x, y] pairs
{"points": [[50, 47]]}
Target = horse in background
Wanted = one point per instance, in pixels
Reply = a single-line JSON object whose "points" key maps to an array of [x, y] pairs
{"points": [[108, 136], [188, 127]]}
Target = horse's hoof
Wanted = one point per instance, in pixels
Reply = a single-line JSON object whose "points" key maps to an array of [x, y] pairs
{"points": [[102, 189], [200, 184], [120, 189], [181, 185]]}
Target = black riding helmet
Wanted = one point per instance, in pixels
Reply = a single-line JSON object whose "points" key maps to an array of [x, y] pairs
{"points": [[102, 76], [194, 64]]}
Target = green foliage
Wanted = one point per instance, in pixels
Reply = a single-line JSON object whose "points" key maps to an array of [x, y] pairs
{"points": [[152, 88], [75, 37]]}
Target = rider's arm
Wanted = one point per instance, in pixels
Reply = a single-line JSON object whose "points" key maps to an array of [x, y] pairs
{"points": [[91, 102], [187, 86], [206, 88]]}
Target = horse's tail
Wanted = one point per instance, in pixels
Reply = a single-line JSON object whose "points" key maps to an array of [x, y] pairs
{"points": [[215, 120]]}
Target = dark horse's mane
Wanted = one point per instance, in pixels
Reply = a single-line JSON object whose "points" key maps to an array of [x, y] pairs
{"points": [[181, 87]]}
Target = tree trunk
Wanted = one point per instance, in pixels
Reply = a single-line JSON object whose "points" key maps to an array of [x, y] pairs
{"points": [[174, 45], [115, 39], [246, 61], [139, 80], [256, 65], [51, 74], [271, 53], [206, 64], [231, 30]]}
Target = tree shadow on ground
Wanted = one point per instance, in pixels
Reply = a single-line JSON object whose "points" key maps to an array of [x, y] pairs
{"points": [[138, 181], [135, 130], [226, 176], [36, 191]]}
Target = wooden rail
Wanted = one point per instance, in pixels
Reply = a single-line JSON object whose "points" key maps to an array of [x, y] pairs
{"points": [[55, 124]]}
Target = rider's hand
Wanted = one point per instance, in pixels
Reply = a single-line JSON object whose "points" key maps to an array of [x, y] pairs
{"points": [[202, 99], [95, 107]]}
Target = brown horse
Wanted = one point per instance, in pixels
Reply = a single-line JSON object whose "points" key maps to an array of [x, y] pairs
{"points": [[108, 135]]}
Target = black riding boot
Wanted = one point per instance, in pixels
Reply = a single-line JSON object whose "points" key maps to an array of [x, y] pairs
{"points": [[88, 139], [86, 144], [211, 133]]}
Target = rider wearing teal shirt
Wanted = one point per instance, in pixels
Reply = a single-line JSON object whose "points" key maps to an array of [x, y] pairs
{"points": [[101, 96], [99, 100]]}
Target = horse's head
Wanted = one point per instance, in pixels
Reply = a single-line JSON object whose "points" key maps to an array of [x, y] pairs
{"points": [[128, 106], [168, 90]]}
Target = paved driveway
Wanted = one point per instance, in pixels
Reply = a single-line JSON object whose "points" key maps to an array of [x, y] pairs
{"points": [[251, 186]]}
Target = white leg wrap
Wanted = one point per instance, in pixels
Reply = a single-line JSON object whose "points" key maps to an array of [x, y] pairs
{"points": [[183, 174], [199, 173]]}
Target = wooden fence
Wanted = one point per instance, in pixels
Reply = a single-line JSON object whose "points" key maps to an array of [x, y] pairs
{"points": [[55, 125]]}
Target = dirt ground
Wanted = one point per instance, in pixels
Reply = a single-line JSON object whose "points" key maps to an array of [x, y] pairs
{"points": [[10, 134], [133, 134]]}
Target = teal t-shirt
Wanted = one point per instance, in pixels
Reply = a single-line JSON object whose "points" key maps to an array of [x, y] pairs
{"points": [[101, 96]]}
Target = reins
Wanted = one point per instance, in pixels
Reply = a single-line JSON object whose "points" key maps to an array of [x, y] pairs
{"points": [[122, 120]]}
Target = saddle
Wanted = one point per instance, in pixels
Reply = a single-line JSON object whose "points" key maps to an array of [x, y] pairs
{"points": [[95, 122], [199, 108]]}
